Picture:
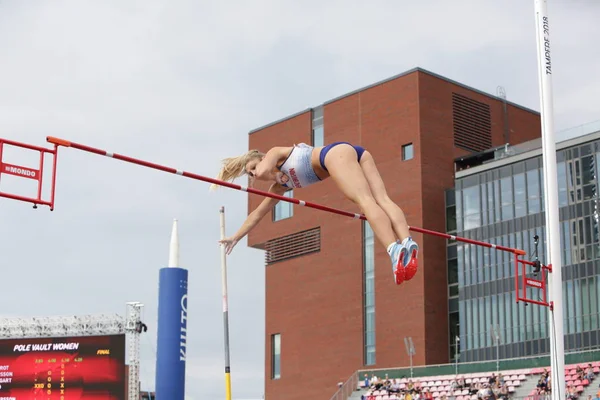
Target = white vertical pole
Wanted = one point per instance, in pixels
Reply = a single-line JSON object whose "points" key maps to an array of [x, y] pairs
{"points": [[555, 315], [225, 306]]}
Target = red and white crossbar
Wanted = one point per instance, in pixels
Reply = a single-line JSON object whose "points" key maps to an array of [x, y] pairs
{"points": [[29, 173], [66, 143]]}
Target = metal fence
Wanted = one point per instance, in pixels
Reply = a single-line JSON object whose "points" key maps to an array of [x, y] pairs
{"points": [[347, 388]]}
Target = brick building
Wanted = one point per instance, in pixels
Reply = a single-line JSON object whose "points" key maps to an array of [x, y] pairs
{"points": [[323, 318]]}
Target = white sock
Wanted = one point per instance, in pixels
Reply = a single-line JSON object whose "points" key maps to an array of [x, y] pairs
{"points": [[389, 248], [405, 240]]}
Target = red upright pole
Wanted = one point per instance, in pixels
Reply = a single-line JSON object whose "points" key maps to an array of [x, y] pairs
{"points": [[78, 146]]}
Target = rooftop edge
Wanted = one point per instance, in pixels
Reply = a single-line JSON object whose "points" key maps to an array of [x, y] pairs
{"points": [[381, 82]]}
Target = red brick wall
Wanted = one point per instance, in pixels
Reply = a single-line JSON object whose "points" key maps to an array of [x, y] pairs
{"points": [[311, 298], [315, 301]]}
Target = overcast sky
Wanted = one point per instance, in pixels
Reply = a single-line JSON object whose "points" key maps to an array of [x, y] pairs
{"points": [[181, 83]]}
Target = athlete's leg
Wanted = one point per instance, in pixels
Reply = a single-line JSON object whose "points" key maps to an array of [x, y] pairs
{"points": [[344, 169], [409, 247], [350, 179], [380, 194]]}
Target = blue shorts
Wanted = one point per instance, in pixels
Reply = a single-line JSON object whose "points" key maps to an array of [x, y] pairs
{"points": [[359, 152]]}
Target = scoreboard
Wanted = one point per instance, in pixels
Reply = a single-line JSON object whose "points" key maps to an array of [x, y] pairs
{"points": [[63, 368]]}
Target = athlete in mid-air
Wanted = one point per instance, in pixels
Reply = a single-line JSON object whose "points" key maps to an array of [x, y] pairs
{"points": [[355, 173]]}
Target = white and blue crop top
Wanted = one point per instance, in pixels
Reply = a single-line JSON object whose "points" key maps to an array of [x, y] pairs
{"points": [[298, 167]]}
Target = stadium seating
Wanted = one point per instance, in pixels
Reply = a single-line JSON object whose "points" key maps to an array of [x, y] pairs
{"points": [[448, 386]]}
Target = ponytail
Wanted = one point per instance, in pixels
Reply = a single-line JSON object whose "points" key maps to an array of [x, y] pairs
{"points": [[234, 167]]}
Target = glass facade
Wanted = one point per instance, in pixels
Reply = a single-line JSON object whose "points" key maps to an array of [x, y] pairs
{"points": [[369, 293], [505, 206], [283, 209]]}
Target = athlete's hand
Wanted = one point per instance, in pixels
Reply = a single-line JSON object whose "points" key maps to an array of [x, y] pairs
{"points": [[229, 244], [281, 178]]}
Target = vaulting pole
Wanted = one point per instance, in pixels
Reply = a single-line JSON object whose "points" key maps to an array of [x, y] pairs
{"points": [[66, 143], [225, 306]]}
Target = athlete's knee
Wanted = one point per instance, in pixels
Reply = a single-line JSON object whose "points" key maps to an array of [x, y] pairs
{"points": [[365, 200], [384, 200]]}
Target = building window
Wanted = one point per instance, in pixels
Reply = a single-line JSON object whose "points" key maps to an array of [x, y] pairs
{"points": [[318, 134], [520, 195], [318, 128], [276, 356], [369, 293], [283, 209], [453, 282], [454, 330], [471, 203], [533, 191], [407, 152]]}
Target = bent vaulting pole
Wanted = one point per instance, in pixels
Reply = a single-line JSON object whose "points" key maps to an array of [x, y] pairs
{"points": [[171, 346], [225, 307], [66, 143]]}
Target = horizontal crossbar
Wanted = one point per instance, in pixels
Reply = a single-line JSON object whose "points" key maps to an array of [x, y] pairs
{"points": [[78, 146]]}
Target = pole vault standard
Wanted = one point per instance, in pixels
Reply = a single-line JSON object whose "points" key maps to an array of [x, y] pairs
{"points": [[555, 314], [73, 145]]}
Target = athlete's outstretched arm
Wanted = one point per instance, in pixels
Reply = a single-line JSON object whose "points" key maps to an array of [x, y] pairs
{"points": [[264, 169], [254, 218]]}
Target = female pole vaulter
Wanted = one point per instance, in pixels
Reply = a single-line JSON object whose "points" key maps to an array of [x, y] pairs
{"points": [[354, 171]]}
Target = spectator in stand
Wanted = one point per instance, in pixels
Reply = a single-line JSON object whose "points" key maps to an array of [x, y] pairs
{"points": [[496, 389], [427, 395], [376, 383], [545, 373], [543, 381], [571, 392], [484, 391], [454, 385], [589, 373], [500, 380], [394, 388], [541, 394], [503, 392]]}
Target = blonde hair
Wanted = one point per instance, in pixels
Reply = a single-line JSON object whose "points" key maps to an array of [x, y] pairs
{"points": [[234, 167]]}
